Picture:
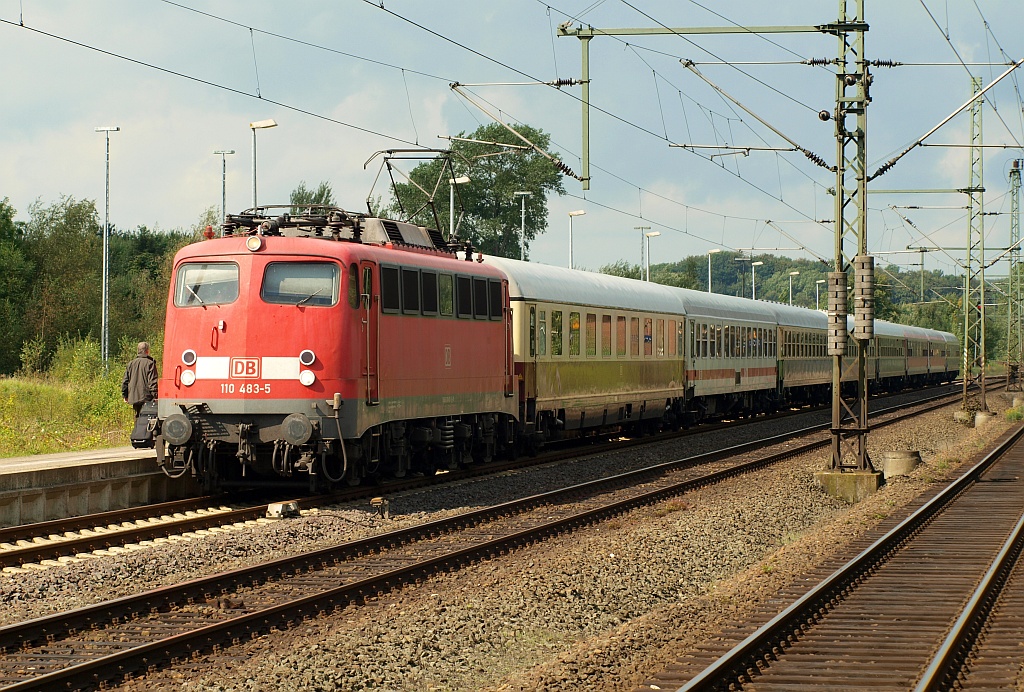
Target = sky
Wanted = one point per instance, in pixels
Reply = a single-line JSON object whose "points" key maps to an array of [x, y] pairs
{"points": [[345, 79]]}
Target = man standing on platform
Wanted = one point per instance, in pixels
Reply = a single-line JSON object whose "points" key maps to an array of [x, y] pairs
{"points": [[139, 383]]}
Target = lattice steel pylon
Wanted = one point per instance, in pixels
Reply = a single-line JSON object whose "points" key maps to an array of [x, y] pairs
{"points": [[1014, 342], [853, 81], [974, 265]]}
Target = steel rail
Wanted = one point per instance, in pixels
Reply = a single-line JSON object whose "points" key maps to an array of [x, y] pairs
{"points": [[946, 664], [59, 625], [742, 661], [52, 548], [22, 532]]}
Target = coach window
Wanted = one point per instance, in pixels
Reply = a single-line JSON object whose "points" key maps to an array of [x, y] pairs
{"points": [[301, 283], [429, 295], [648, 337], [533, 330], [410, 291], [213, 283], [634, 336], [446, 291], [679, 337], [390, 300], [620, 335], [660, 334], [606, 335], [671, 338], [464, 296], [480, 299], [574, 333], [591, 334], [353, 285], [556, 332]]}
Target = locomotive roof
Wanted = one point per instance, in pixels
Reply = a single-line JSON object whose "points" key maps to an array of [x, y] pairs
{"points": [[533, 281]]}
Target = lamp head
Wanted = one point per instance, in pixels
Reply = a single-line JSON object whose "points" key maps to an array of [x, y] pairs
{"points": [[578, 212], [263, 124]]}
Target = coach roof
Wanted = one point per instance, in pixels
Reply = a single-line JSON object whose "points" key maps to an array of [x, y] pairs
{"points": [[542, 282]]}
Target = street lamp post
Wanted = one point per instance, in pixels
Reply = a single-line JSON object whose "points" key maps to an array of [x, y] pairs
{"points": [[652, 234], [791, 275], [578, 212], [224, 180], [522, 195], [817, 287], [452, 182], [258, 125], [641, 229], [105, 310], [753, 279], [711, 252]]}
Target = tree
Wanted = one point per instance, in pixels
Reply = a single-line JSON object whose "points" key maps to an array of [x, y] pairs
{"points": [[15, 278], [624, 269], [303, 197], [63, 241], [492, 210]]}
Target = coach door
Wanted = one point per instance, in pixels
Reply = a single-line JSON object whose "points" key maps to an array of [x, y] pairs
{"points": [[371, 330], [506, 311]]}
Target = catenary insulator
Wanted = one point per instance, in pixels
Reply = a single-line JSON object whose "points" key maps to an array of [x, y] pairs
{"points": [[864, 298], [837, 334]]}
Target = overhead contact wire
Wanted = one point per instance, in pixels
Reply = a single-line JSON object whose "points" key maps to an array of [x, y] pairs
{"points": [[207, 82]]}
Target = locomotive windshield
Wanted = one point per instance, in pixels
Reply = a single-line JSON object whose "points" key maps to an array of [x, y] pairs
{"points": [[207, 283], [301, 283]]}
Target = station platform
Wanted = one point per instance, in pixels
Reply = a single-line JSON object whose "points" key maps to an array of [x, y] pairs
{"points": [[54, 486]]}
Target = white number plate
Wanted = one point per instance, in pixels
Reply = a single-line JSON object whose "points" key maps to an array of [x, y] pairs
{"points": [[247, 388]]}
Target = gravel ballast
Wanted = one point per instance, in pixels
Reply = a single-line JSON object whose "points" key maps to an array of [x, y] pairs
{"points": [[595, 610]]}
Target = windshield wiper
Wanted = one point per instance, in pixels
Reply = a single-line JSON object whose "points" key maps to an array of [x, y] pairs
{"points": [[310, 296], [189, 289]]}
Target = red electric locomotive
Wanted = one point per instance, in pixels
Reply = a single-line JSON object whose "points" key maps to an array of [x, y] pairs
{"points": [[332, 344]]}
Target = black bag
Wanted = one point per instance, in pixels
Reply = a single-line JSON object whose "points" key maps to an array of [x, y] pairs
{"points": [[143, 432]]}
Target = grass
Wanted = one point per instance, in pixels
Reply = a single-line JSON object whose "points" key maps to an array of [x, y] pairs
{"points": [[73, 406], [41, 417], [669, 507]]}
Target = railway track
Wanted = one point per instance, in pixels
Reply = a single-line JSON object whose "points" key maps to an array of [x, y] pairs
{"points": [[117, 638], [910, 611], [49, 542]]}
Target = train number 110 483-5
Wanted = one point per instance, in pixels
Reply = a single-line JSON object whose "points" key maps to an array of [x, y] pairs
{"points": [[247, 388]]}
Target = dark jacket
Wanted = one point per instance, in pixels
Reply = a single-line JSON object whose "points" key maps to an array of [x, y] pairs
{"points": [[139, 383]]}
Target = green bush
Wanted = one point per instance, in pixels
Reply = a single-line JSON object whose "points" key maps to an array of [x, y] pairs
{"points": [[74, 405], [1015, 414]]}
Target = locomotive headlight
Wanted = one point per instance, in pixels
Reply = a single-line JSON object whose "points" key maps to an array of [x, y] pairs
{"points": [[188, 378], [188, 357], [307, 377], [307, 357], [254, 243]]}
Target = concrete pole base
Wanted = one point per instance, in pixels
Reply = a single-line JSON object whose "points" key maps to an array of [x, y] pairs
{"points": [[852, 487]]}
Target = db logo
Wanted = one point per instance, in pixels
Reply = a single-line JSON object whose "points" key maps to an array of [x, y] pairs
{"points": [[245, 367]]}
